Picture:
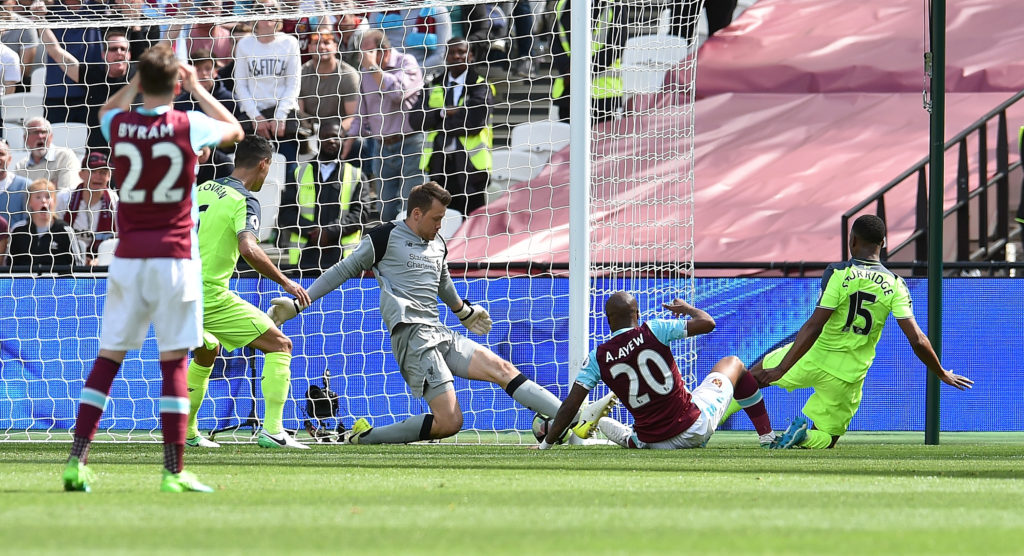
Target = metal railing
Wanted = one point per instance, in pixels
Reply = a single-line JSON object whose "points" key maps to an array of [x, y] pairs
{"points": [[991, 243]]}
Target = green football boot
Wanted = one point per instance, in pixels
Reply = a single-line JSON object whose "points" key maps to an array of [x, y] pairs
{"points": [[77, 476], [182, 482]]}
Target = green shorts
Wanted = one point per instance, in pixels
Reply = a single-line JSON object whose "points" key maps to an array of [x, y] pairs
{"points": [[232, 321], [834, 402]]}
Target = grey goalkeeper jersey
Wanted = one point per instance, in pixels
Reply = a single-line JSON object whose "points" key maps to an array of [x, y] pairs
{"points": [[412, 274]]}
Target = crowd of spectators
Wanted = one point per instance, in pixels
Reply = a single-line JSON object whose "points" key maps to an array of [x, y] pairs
{"points": [[361, 106]]}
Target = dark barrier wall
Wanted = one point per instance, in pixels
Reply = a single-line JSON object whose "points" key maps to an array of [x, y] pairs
{"points": [[49, 331]]}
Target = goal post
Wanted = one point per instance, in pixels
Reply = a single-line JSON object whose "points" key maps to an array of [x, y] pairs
{"points": [[571, 207]]}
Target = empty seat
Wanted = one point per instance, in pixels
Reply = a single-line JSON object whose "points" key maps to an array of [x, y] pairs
{"points": [[20, 107], [15, 136], [37, 83], [270, 196], [542, 138], [512, 167], [71, 135]]}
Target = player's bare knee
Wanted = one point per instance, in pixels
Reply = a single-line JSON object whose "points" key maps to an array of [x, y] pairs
{"points": [[446, 425], [732, 367]]}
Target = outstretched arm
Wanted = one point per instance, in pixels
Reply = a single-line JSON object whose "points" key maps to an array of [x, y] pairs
{"points": [[285, 308], [65, 60], [565, 414], [805, 338], [258, 259], [700, 322], [923, 350]]}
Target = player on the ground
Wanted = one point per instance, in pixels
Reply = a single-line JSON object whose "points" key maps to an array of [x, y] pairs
{"points": [[154, 276], [228, 227], [638, 365], [408, 259], [835, 347]]}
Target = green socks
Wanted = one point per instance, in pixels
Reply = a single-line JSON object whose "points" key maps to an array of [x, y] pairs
{"points": [[277, 375], [198, 380], [733, 408], [816, 439]]}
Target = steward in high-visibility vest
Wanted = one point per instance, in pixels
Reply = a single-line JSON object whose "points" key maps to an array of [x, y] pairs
{"points": [[334, 204], [608, 40], [455, 112]]}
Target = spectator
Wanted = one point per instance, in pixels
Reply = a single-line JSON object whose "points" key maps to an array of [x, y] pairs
{"points": [[219, 164], [140, 37], [12, 189], [59, 165], [606, 87], [421, 32], [456, 114], [390, 84], [4, 239], [10, 69], [66, 101], [91, 208], [267, 76], [211, 37], [329, 89], [523, 24], [101, 80], [334, 205], [21, 38], [226, 73], [350, 32], [42, 239]]}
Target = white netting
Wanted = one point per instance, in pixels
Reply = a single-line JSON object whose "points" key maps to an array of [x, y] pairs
{"points": [[497, 138]]}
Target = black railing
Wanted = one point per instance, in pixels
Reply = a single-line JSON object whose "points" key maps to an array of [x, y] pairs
{"points": [[991, 243]]}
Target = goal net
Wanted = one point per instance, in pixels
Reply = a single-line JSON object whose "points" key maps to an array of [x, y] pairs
{"points": [[357, 117]]}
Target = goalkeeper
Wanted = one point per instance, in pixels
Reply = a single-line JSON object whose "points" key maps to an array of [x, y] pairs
{"points": [[228, 225], [408, 259]]}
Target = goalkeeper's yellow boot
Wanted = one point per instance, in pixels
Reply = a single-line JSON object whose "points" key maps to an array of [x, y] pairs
{"points": [[359, 428], [592, 414], [77, 476], [182, 482]]}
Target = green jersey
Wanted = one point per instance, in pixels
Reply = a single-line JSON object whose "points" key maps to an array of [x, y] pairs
{"points": [[862, 293], [226, 210]]}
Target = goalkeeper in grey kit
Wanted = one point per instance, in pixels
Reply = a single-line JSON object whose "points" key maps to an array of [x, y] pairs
{"points": [[408, 258]]}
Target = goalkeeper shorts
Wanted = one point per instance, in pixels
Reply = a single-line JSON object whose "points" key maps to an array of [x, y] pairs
{"points": [[429, 355]]}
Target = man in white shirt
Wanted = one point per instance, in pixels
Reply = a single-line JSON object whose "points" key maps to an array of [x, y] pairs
{"points": [[10, 68], [58, 164]]}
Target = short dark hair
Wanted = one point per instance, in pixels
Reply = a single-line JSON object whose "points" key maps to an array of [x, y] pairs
{"points": [[251, 150], [422, 196], [380, 40], [201, 55], [869, 228], [158, 70]]}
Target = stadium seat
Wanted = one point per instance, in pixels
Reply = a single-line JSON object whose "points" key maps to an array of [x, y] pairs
{"points": [[105, 251], [270, 203], [37, 83], [270, 196], [450, 224], [512, 167], [645, 61], [71, 135], [15, 136], [542, 138], [19, 107]]}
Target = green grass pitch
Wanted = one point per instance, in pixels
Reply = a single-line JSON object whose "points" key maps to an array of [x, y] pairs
{"points": [[874, 494]]}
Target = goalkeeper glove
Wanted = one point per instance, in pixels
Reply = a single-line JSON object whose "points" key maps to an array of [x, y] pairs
{"points": [[283, 309], [475, 319]]}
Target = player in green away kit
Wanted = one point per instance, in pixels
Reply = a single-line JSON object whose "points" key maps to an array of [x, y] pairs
{"points": [[835, 347], [228, 227]]}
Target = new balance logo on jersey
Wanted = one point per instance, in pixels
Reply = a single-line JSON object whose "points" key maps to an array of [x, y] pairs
{"points": [[135, 131]]}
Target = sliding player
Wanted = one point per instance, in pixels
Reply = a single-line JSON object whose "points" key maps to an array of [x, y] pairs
{"points": [[835, 347], [228, 226], [154, 277], [638, 365], [408, 259]]}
